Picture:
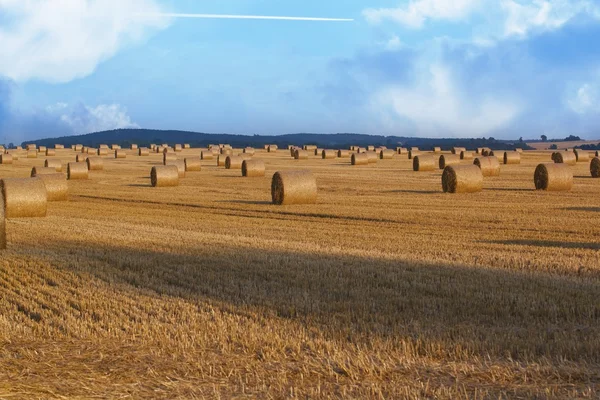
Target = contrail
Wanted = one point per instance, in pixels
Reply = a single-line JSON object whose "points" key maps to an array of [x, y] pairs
{"points": [[232, 16]]}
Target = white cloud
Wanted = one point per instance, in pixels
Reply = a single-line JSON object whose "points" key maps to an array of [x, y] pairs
{"points": [[585, 100], [417, 12], [84, 119], [394, 43], [61, 40]]}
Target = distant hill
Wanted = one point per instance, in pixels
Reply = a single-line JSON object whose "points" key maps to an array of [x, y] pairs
{"points": [[144, 137], [589, 144]]}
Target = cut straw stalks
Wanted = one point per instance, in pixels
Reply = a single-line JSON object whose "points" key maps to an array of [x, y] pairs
{"points": [[564, 157], [143, 152], [57, 187], [553, 177], [359, 159], [54, 163], [253, 168], [164, 176], [490, 166], [192, 165], [328, 154], [24, 197], [180, 164], [35, 171], [77, 171], [386, 154], [6, 159], [462, 179], [512, 157], [595, 167], [2, 223], [301, 154], [95, 163], [448, 159], [466, 155], [293, 187], [424, 162]]}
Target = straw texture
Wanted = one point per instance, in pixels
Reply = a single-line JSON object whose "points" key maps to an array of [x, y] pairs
{"points": [[187, 146], [143, 152], [50, 152], [564, 157], [221, 160], [272, 148], [253, 168], [120, 153], [42, 149], [2, 223], [595, 167], [57, 187], [134, 147], [466, 155], [582, 155], [328, 154], [77, 171], [168, 157], [301, 154], [553, 177], [424, 162], [458, 150], [178, 148], [24, 198], [309, 147], [164, 176], [343, 153], [35, 171], [386, 154], [359, 159], [413, 153], [31, 153], [81, 158], [6, 159], [490, 166], [95, 163], [462, 179], [512, 157], [180, 164], [206, 155], [233, 162], [249, 150], [54, 163], [448, 159], [192, 164], [101, 152], [372, 157], [31, 147], [293, 187]]}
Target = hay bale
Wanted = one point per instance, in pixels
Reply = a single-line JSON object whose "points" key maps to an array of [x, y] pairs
{"points": [[466, 155], [50, 152], [301, 154], [31, 153], [134, 147], [2, 224], [81, 158], [597, 153], [192, 164], [233, 162], [249, 150], [56, 164], [103, 146], [115, 147], [490, 166], [486, 152], [178, 148], [180, 164], [99, 152], [120, 153], [24, 198], [95, 163], [206, 155], [370, 148], [42, 149], [462, 179], [76, 171], [317, 152], [458, 150], [31, 147], [372, 157], [78, 147], [512, 157], [57, 187], [164, 176], [272, 148], [226, 152], [221, 160], [59, 146], [361, 150], [553, 177], [343, 153], [595, 167], [413, 153], [479, 150], [293, 187], [253, 168], [564, 157], [401, 150], [359, 159], [386, 154], [582, 155], [437, 150], [448, 159], [6, 159], [310, 147], [35, 171], [143, 152], [328, 154], [187, 146], [424, 162], [169, 157]]}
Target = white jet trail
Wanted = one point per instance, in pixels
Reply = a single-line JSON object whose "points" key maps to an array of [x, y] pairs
{"points": [[233, 16]]}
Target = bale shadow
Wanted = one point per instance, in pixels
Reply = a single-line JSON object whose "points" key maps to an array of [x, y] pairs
{"points": [[508, 190], [547, 243], [589, 209], [249, 202], [414, 191]]}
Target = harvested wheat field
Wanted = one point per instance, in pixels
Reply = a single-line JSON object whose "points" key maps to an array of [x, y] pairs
{"points": [[387, 287]]}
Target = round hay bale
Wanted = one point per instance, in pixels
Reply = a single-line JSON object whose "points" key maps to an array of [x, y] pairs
{"points": [[42, 149], [35, 171], [187, 146], [479, 150], [401, 150], [437, 149], [99, 152], [103, 146], [272, 148], [245, 156], [553, 177], [386, 154], [582, 155], [462, 179], [81, 158], [226, 152], [424, 162], [143, 152], [50, 152], [24, 198], [597, 153], [595, 167], [249, 150], [164, 176], [95, 164], [253, 168], [84, 149], [115, 147], [564, 157], [448, 159], [359, 159], [512, 157], [168, 157], [486, 152], [120, 153], [221, 160], [2, 224], [317, 152], [301, 154], [343, 153], [458, 150], [293, 187], [134, 147], [180, 164], [56, 164], [328, 154], [30, 147], [31, 153], [372, 157], [57, 187], [178, 148], [233, 162], [192, 164], [206, 155], [6, 159], [371, 148], [310, 147], [78, 147], [490, 166], [13, 154], [466, 155], [361, 150], [77, 171], [413, 153]]}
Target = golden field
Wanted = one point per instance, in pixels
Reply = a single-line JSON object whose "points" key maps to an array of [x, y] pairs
{"points": [[386, 288]]}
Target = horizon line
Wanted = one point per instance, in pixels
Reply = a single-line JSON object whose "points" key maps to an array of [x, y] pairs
{"points": [[237, 16]]}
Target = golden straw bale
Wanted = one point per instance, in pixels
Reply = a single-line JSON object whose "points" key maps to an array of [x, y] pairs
{"points": [[57, 187], [50, 152], [221, 160], [134, 146], [78, 147], [317, 152], [249, 150], [253, 168], [164, 176], [120, 153], [31, 153], [370, 148], [490, 166], [310, 147], [19, 148], [2, 224], [466, 155], [103, 146], [6, 159], [192, 164], [448, 159], [178, 148], [437, 149], [272, 148], [35, 171], [458, 150], [386, 154], [42, 149], [30, 147], [372, 157], [343, 153], [95, 163], [24, 197], [266, 147], [479, 150], [245, 156], [359, 159], [293, 187], [424, 162], [564, 157], [595, 167], [597, 153], [97, 152], [55, 164], [180, 164], [512, 157], [401, 150], [328, 154], [81, 158], [361, 150], [486, 152], [206, 155], [77, 171], [115, 147], [292, 151], [301, 154], [582, 155], [167, 157], [553, 177], [415, 149], [226, 152], [187, 146], [143, 152], [233, 162], [413, 153], [13, 154], [462, 179]]}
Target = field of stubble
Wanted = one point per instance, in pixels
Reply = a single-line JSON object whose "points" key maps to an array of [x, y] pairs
{"points": [[387, 288]]}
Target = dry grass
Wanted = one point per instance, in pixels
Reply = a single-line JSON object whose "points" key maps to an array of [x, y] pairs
{"points": [[206, 290]]}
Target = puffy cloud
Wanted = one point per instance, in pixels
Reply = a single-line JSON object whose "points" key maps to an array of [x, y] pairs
{"points": [[60, 40], [85, 119]]}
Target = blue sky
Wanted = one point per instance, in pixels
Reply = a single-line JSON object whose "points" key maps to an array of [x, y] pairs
{"points": [[503, 68]]}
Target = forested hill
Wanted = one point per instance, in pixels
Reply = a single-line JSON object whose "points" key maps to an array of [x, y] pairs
{"points": [[144, 137]]}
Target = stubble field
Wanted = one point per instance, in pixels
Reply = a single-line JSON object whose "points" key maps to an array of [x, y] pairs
{"points": [[386, 288]]}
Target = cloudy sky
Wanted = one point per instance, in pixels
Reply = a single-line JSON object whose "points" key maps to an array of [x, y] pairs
{"points": [[462, 68]]}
